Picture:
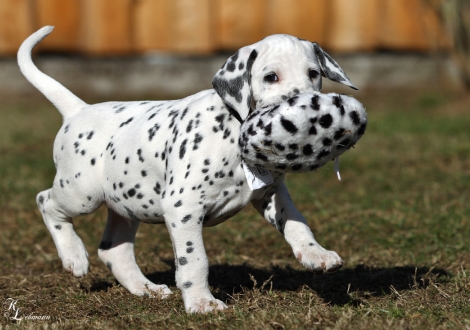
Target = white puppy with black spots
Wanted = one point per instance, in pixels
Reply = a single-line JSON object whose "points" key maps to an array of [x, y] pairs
{"points": [[175, 162]]}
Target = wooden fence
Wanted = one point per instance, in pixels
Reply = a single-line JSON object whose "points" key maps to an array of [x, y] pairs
{"points": [[119, 27]]}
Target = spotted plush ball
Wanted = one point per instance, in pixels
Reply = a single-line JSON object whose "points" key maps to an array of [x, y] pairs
{"points": [[302, 133]]}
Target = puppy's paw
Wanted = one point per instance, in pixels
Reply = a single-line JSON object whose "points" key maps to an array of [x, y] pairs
{"points": [[319, 260], [204, 305], [74, 258], [153, 290]]}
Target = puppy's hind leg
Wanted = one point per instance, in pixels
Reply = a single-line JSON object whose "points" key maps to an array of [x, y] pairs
{"points": [[117, 252], [59, 222]]}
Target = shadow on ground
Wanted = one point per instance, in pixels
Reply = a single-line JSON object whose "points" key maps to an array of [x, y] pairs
{"points": [[343, 287]]}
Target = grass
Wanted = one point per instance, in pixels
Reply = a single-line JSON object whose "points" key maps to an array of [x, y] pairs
{"points": [[400, 220]]}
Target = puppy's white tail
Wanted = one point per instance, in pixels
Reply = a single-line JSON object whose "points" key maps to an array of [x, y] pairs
{"points": [[63, 99]]}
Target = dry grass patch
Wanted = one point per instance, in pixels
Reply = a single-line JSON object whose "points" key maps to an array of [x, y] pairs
{"points": [[400, 220]]}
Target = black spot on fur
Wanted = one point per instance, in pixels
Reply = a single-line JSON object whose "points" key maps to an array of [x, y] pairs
{"points": [[187, 285], [339, 133], [152, 131], [185, 111], [326, 121], [327, 142], [261, 156], [337, 101], [267, 129], [186, 218], [157, 188], [267, 143], [296, 167], [280, 146], [126, 122], [197, 139], [139, 153], [291, 156], [307, 150], [190, 126], [292, 101], [58, 227], [234, 57], [231, 67], [178, 203], [231, 87], [288, 126], [183, 148], [355, 117], [105, 245], [251, 131], [182, 261], [362, 129], [312, 130], [220, 118], [315, 102]]}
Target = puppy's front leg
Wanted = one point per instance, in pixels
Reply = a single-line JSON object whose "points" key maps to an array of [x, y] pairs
{"points": [[278, 209], [192, 266]]}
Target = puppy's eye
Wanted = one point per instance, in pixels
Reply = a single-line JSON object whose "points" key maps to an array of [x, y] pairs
{"points": [[313, 74], [271, 78]]}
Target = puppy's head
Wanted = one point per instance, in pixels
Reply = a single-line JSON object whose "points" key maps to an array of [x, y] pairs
{"points": [[272, 70]]}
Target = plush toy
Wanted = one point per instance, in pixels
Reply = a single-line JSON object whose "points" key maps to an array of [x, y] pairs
{"points": [[302, 133]]}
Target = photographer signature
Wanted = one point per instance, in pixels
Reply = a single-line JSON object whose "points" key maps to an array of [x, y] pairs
{"points": [[12, 312]]}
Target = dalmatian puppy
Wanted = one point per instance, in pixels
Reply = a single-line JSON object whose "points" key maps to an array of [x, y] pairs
{"points": [[175, 162]]}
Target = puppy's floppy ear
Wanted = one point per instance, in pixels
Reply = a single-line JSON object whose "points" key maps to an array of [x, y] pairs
{"points": [[330, 69], [233, 81]]}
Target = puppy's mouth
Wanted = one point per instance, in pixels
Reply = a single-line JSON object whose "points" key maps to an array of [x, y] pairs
{"points": [[260, 104]]}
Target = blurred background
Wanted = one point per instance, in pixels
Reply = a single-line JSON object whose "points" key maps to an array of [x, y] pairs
{"points": [[171, 48]]}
